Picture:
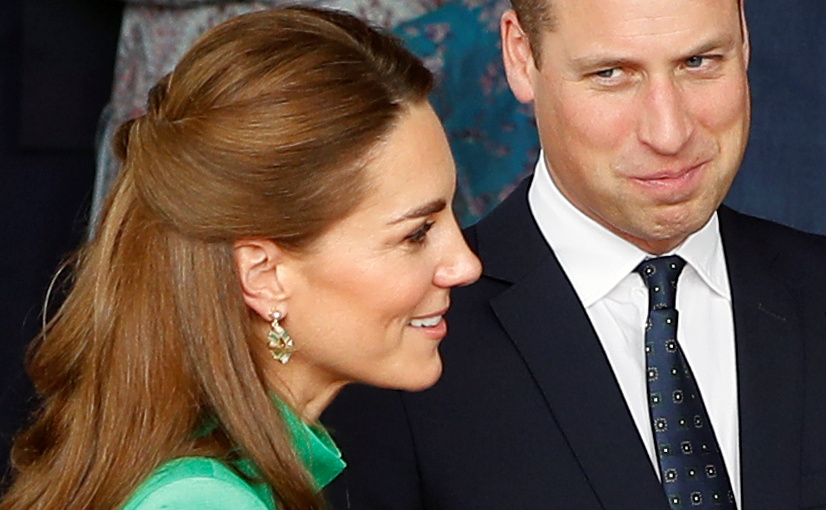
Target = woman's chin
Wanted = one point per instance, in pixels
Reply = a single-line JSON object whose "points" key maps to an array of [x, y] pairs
{"points": [[418, 378]]}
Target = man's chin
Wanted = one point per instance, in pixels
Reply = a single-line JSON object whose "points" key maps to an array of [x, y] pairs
{"points": [[661, 233]]}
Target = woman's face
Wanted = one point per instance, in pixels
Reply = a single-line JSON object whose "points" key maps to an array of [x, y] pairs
{"points": [[367, 302]]}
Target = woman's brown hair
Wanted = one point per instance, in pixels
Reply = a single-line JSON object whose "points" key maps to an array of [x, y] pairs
{"points": [[259, 132]]}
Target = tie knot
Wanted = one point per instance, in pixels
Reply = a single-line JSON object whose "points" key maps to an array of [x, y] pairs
{"points": [[660, 276]]}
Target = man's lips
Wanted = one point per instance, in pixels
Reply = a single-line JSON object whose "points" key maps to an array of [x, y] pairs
{"points": [[675, 174], [673, 184]]}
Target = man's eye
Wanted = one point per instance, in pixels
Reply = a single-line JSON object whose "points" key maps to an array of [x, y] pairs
{"points": [[696, 61], [419, 235], [607, 73]]}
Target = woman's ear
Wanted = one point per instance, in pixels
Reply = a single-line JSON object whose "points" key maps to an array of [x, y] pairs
{"points": [[258, 262]]}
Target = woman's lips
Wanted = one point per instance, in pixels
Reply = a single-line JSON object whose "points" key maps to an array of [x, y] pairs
{"points": [[433, 325]]}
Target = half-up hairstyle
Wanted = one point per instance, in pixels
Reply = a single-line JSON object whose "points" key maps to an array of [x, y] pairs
{"points": [[261, 131]]}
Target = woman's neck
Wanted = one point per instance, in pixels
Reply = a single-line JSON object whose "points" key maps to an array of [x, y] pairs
{"points": [[302, 388]]}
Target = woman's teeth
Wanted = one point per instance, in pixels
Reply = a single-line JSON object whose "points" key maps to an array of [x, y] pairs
{"points": [[426, 323]]}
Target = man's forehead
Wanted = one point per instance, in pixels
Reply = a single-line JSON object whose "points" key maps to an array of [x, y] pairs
{"points": [[593, 20], [560, 9], [592, 34]]}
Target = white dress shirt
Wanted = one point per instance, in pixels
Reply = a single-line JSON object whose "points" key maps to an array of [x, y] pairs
{"points": [[600, 266]]}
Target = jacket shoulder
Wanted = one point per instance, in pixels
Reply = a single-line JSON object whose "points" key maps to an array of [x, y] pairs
{"points": [[800, 255], [196, 483]]}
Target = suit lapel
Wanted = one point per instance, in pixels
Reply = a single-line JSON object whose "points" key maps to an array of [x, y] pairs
{"points": [[770, 367], [552, 332]]}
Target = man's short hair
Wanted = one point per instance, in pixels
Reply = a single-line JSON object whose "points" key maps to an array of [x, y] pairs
{"points": [[535, 16]]}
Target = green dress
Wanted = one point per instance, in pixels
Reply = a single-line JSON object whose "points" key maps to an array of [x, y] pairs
{"points": [[201, 483]]}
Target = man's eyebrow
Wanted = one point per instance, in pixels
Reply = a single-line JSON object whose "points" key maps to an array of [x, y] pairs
{"points": [[420, 212], [606, 61], [723, 42], [599, 62]]}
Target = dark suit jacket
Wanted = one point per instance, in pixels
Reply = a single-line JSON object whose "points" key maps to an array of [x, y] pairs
{"points": [[528, 414]]}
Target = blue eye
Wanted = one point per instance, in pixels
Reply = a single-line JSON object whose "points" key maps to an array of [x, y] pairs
{"points": [[606, 73], [695, 61], [419, 235]]}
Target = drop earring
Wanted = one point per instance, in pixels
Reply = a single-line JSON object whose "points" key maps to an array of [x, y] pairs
{"points": [[279, 341]]}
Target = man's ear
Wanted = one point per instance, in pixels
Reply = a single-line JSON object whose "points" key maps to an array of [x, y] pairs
{"points": [[517, 57], [744, 30], [258, 262]]}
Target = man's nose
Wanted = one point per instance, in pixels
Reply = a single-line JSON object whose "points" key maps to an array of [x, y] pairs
{"points": [[665, 124]]}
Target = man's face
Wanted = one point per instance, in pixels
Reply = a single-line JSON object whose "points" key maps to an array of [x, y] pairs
{"points": [[642, 108]]}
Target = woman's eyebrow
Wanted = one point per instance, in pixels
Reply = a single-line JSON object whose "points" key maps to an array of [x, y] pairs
{"points": [[425, 210]]}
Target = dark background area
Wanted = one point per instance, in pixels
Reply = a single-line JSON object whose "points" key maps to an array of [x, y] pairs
{"points": [[56, 69], [783, 177], [55, 75]]}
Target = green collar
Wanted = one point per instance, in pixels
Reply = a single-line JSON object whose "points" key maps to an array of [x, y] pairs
{"points": [[314, 447], [312, 444]]}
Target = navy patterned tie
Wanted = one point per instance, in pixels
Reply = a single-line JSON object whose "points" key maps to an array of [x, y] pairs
{"points": [[691, 467]]}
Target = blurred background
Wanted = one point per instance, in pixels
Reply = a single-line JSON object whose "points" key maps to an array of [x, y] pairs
{"points": [[72, 70]]}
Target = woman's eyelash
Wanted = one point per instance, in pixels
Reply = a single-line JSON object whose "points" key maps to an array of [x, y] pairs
{"points": [[418, 236]]}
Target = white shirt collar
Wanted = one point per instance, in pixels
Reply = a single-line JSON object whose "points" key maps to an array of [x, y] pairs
{"points": [[596, 260]]}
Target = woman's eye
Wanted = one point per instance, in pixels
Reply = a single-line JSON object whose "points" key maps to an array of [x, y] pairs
{"points": [[419, 235]]}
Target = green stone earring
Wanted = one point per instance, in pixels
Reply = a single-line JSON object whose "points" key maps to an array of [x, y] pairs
{"points": [[279, 341]]}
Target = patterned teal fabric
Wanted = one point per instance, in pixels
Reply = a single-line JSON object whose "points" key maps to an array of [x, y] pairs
{"points": [[492, 135]]}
